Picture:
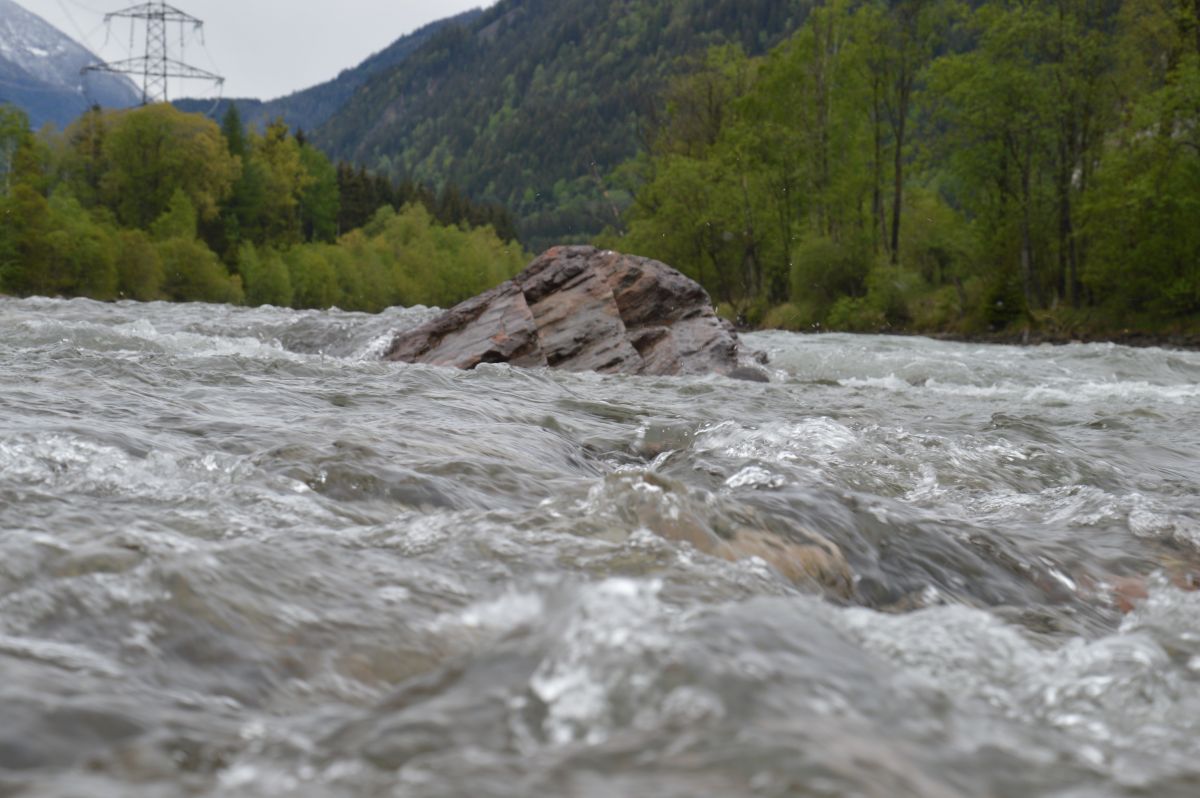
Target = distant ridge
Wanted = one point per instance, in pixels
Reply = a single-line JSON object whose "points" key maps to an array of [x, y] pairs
{"points": [[530, 104], [533, 103], [40, 71], [309, 108]]}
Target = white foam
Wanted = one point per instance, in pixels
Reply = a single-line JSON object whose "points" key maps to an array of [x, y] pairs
{"points": [[1114, 692], [377, 348], [1067, 392], [197, 345], [61, 655], [755, 477], [61, 461], [777, 442], [889, 383], [602, 650]]}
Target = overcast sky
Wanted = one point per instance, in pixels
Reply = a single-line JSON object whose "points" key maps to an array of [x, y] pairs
{"points": [[264, 48]]}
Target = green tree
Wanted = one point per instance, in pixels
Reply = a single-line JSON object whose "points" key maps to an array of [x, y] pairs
{"points": [[24, 158], [284, 183], [81, 255], [692, 210], [320, 201], [314, 282], [27, 226], [193, 273], [234, 132], [139, 267], [899, 41], [85, 163], [1141, 215], [178, 220], [265, 277], [998, 103], [1084, 60], [14, 133], [241, 213], [155, 151]]}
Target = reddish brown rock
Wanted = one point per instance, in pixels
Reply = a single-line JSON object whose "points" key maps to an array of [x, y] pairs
{"points": [[577, 318], [583, 309], [494, 327]]}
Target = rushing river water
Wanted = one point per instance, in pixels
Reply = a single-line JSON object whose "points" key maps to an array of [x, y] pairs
{"points": [[239, 556]]}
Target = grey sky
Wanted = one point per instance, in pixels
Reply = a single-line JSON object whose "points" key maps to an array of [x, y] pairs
{"points": [[264, 48]]}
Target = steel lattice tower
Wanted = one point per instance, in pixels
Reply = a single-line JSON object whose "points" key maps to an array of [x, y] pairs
{"points": [[156, 67]]}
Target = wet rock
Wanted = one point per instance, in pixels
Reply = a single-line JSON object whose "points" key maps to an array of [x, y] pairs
{"points": [[817, 561], [494, 327], [99, 558], [807, 559], [749, 374], [578, 321], [584, 309], [1129, 592]]}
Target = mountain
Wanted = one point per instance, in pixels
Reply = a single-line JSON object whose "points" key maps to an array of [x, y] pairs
{"points": [[532, 103], [309, 108], [40, 71]]}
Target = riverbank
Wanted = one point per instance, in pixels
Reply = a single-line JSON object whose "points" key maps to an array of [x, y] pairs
{"points": [[1029, 337], [1054, 329], [1189, 342]]}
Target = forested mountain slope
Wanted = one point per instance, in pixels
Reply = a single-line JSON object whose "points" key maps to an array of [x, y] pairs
{"points": [[533, 102], [308, 108]]}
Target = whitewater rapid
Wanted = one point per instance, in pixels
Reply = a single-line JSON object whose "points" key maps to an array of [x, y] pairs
{"points": [[240, 556]]}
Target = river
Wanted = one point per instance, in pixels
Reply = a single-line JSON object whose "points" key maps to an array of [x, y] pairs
{"points": [[240, 556]]}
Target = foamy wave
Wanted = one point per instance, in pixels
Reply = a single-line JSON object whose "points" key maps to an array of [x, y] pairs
{"points": [[197, 345], [1058, 393], [1139, 391], [888, 383], [600, 653], [1120, 692], [65, 461], [776, 443]]}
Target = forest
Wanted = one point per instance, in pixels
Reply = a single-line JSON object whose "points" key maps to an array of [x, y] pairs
{"points": [[534, 102], [889, 165], [157, 204], [925, 165]]}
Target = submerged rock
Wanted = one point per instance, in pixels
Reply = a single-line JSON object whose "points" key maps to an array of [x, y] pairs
{"points": [[817, 561], [584, 309]]}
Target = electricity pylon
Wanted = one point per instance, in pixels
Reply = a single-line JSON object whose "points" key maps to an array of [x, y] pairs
{"points": [[156, 67]]}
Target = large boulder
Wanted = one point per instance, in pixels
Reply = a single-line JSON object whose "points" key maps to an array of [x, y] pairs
{"points": [[583, 309]]}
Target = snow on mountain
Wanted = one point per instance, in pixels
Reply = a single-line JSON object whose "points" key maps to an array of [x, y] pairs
{"points": [[40, 70]]}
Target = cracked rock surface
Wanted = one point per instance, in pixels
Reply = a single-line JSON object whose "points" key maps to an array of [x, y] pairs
{"points": [[583, 309]]}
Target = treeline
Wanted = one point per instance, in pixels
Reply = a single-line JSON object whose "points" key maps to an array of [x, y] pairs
{"points": [[534, 101], [363, 193], [157, 204], [926, 165]]}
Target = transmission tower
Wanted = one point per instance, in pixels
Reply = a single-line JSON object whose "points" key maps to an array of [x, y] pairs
{"points": [[156, 67]]}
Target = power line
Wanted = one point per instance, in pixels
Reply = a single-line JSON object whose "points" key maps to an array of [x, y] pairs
{"points": [[71, 17], [157, 67]]}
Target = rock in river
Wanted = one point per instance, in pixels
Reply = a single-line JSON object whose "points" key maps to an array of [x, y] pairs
{"points": [[583, 309]]}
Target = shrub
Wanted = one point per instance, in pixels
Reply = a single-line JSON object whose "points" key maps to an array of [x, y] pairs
{"points": [[1002, 302], [855, 314], [796, 317], [139, 267], [194, 274], [265, 277], [314, 282], [824, 270]]}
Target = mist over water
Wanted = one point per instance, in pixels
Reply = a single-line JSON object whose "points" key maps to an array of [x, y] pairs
{"points": [[239, 556]]}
